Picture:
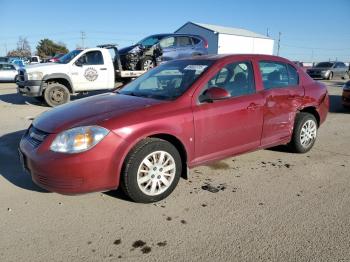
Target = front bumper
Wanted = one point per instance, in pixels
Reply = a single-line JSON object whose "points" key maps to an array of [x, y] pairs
{"points": [[30, 88], [318, 74], [346, 98], [90, 171]]}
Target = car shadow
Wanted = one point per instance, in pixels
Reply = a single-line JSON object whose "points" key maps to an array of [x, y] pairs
{"points": [[17, 99], [10, 165], [119, 194], [335, 105]]}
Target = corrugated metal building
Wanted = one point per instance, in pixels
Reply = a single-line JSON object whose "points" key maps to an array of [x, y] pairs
{"points": [[227, 40]]}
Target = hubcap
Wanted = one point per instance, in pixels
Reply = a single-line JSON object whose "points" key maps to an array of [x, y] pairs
{"points": [[148, 64], [57, 95], [156, 173], [308, 133]]}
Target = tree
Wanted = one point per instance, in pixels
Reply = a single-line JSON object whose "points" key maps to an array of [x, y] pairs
{"points": [[48, 48], [22, 50]]}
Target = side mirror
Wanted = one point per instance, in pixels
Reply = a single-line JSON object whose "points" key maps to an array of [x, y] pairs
{"points": [[78, 63], [215, 93]]}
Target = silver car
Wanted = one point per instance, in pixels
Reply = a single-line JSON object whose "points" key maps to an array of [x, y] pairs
{"points": [[328, 70], [8, 72]]}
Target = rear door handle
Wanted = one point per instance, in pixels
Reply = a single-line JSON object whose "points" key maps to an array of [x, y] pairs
{"points": [[253, 106], [292, 97], [103, 68]]}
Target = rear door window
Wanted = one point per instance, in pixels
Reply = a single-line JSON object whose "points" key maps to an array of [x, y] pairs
{"points": [[293, 75], [183, 41], [195, 40], [278, 75]]}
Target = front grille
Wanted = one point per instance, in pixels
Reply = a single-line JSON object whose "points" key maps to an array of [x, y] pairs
{"points": [[35, 136], [59, 183]]}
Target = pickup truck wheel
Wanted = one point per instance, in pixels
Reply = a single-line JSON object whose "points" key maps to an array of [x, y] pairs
{"points": [[304, 134], [151, 170], [147, 63], [56, 94]]}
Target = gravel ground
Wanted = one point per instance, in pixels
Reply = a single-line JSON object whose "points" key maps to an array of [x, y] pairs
{"points": [[271, 205]]}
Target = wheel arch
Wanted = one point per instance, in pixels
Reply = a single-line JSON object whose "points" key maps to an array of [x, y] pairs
{"points": [[179, 146], [59, 78], [313, 111], [166, 136]]}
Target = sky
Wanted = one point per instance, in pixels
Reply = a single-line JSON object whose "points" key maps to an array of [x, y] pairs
{"points": [[310, 30]]}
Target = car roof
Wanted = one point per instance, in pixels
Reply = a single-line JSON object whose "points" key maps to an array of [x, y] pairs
{"points": [[173, 34], [239, 56]]}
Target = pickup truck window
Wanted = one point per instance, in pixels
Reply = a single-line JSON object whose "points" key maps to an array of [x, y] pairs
{"points": [[92, 58], [68, 57]]}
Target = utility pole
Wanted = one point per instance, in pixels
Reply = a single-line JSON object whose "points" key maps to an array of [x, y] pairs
{"points": [[83, 36], [279, 43], [267, 32]]}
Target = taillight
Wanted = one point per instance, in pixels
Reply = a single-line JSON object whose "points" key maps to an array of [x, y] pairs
{"points": [[205, 43]]}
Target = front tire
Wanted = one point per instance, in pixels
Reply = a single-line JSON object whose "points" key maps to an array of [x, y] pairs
{"points": [[330, 77], [147, 63], [151, 171], [56, 94], [304, 133]]}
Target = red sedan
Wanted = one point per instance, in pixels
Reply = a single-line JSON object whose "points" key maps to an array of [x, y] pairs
{"points": [[181, 114]]}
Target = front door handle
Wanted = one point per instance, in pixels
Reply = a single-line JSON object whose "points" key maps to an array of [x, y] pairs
{"points": [[292, 97], [104, 68], [253, 106]]}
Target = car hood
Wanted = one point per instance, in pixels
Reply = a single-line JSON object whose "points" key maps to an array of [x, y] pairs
{"points": [[90, 111], [126, 50], [46, 67]]}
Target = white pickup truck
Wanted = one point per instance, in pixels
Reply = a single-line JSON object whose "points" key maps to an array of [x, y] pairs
{"points": [[78, 71]]}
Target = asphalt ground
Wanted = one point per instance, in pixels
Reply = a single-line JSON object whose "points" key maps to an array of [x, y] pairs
{"points": [[270, 205]]}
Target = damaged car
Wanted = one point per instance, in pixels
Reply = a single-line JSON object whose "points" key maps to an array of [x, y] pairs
{"points": [[157, 49]]}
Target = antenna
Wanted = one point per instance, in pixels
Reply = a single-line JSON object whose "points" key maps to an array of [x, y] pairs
{"points": [[83, 36], [279, 43]]}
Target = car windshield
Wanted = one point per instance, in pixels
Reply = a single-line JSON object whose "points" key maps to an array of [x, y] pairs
{"points": [[151, 40], [168, 81], [324, 64], [68, 57]]}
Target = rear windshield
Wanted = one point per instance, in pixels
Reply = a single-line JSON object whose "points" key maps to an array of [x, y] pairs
{"points": [[324, 64]]}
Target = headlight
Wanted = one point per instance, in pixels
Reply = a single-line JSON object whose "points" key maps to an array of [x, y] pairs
{"points": [[78, 139], [324, 71], [35, 76]]}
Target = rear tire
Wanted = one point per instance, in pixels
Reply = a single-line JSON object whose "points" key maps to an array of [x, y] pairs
{"points": [[56, 94], [304, 133], [151, 171]]}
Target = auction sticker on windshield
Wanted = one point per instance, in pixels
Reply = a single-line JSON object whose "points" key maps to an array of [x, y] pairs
{"points": [[196, 67]]}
